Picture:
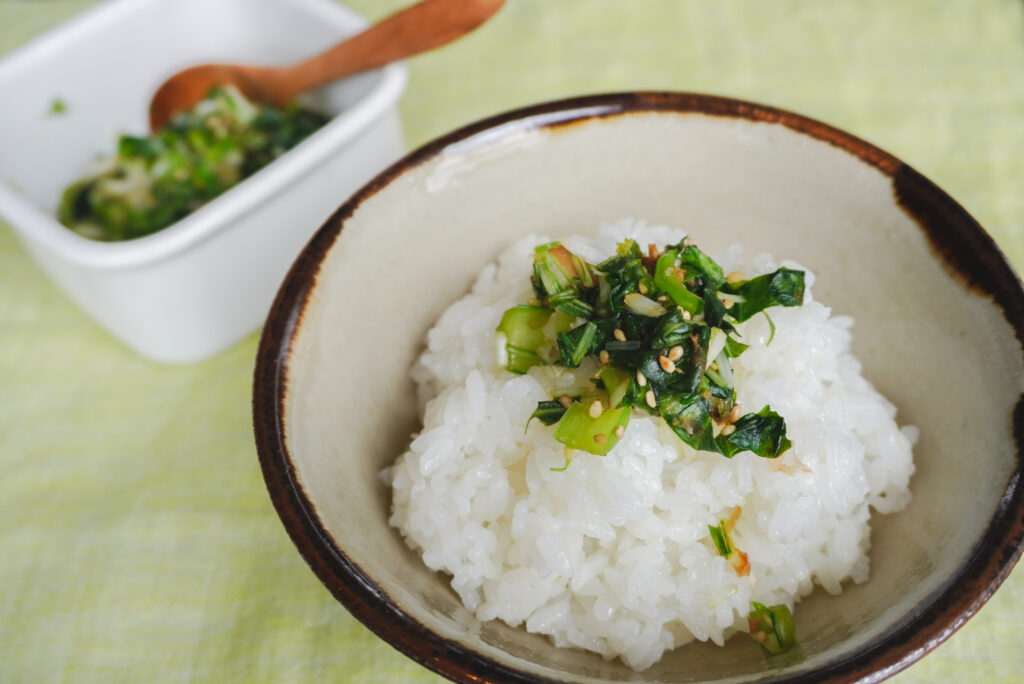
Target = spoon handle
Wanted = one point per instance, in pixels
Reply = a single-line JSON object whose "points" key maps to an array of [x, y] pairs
{"points": [[424, 26]]}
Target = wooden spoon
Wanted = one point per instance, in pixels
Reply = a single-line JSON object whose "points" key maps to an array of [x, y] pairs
{"points": [[424, 26]]}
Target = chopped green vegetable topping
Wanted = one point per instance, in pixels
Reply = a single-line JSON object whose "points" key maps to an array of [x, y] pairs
{"points": [[154, 181], [771, 324], [523, 327], [734, 348], [565, 466], [58, 106], [784, 287], [763, 433], [771, 627], [670, 278], [548, 412], [588, 429], [721, 537], [661, 328]]}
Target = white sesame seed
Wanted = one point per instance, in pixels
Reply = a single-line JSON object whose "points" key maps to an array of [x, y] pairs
{"points": [[686, 315], [596, 409], [727, 303], [651, 400], [619, 431], [728, 430], [675, 353], [604, 357], [619, 335], [600, 439], [642, 288], [666, 364], [565, 400], [735, 277], [641, 379]]}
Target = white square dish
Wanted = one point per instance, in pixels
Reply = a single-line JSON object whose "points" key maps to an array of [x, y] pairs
{"points": [[200, 285]]}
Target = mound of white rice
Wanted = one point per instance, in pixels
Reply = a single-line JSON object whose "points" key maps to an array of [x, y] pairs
{"points": [[614, 554]]}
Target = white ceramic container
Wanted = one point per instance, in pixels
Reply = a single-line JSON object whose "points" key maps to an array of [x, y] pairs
{"points": [[207, 281]]}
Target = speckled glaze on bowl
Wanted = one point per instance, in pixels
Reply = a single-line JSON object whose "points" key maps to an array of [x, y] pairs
{"points": [[939, 328]]}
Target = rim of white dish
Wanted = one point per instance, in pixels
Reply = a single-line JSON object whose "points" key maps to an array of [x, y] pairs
{"points": [[43, 230]]}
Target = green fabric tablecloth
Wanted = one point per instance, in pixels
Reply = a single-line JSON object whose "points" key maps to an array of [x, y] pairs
{"points": [[137, 541]]}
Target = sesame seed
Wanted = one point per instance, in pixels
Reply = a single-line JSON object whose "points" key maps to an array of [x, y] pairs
{"points": [[666, 364], [727, 303], [706, 394], [603, 356], [735, 277], [600, 439], [619, 335], [619, 431], [533, 301], [651, 400], [663, 298], [642, 288], [714, 366], [728, 430], [734, 414], [596, 409], [565, 400], [686, 315], [675, 353], [641, 379]]}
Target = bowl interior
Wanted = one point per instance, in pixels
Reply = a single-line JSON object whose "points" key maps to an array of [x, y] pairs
{"points": [[940, 350]]}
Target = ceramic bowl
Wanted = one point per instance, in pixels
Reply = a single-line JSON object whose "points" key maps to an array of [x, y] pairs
{"points": [[203, 283], [939, 324]]}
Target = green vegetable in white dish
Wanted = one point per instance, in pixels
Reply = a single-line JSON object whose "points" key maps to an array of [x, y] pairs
{"points": [[156, 180]]}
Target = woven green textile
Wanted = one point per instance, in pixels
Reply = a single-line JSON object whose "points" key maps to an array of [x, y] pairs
{"points": [[137, 540]]}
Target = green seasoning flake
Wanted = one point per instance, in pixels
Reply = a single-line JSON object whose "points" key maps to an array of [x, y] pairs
{"points": [[772, 627], [156, 180], [58, 106], [661, 330]]}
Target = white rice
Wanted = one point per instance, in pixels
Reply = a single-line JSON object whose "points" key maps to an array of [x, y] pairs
{"points": [[613, 555]]}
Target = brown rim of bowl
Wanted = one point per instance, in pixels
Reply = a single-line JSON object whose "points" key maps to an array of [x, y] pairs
{"points": [[961, 244]]}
